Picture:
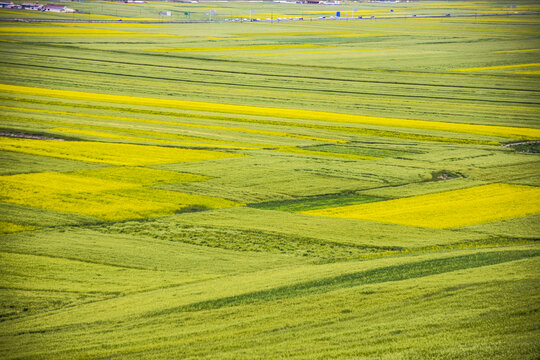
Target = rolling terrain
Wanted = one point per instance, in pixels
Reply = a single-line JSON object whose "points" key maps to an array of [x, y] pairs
{"points": [[327, 189]]}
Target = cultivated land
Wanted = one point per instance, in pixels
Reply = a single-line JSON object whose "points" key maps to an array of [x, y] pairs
{"points": [[325, 189]]}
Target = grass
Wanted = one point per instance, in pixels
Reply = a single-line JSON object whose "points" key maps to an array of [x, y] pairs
{"points": [[388, 274], [154, 179], [316, 202]]}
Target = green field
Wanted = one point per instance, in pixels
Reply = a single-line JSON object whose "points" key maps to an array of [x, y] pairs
{"points": [[354, 189]]}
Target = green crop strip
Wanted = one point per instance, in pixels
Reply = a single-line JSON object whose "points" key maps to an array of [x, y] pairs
{"points": [[359, 150], [342, 129], [245, 240], [375, 276], [316, 202]]}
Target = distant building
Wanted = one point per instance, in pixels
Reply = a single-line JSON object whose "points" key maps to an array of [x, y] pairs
{"points": [[31, 6], [57, 8]]}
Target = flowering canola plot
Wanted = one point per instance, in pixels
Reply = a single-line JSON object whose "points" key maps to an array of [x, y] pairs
{"points": [[109, 153], [449, 209], [236, 48], [116, 193], [140, 175], [502, 131], [7, 227]]}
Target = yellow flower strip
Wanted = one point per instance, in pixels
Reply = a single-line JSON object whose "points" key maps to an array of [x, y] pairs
{"points": [[449, 209], [87, 194], [502, 131], [55, 183], [342, 129], [93, 35], [59, 30], [8, 227], [70, 31], [174, 123], [140, 175], [295, 150], [95, 133], [108, 24], [499, 67], [80, 16], [338, 128], [225, 128], [358, 35], [114, 206], [78, 129], [532, 72], [107, 135], [305, 52], [235, 48], [286, 33], [109, 153], [517, 51]]}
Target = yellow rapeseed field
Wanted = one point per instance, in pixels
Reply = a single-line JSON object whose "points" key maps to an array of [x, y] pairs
{"points": [[174, 199], [532, 72], [77, 128], [516, 51], [69, 31], [109, 153], [140, 175], [499, 67], [23, 186], [284, 33], [108, 135], [7, 227], [235, 48], [449, 209], [104, 24], [305, 52], [56, 30], [502, 131], [204, 141], [108, 194]]}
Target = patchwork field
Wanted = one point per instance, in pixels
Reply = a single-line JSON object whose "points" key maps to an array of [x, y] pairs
{"points": [[348, 189]]}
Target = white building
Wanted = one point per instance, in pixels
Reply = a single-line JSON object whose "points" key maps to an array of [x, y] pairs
{"points": [[57, 8]]}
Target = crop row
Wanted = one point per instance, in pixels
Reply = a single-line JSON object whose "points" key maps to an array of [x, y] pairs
{"points": [[122, 129], [235, 48], [109, 153], [487, 130], [341, 129], [153, 134]]}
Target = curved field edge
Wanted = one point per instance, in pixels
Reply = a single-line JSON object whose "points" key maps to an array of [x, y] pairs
{"points": [[386, 274], [416, 299]]}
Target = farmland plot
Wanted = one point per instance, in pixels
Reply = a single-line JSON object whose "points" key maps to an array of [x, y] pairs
{"points": [[300, 189]]}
